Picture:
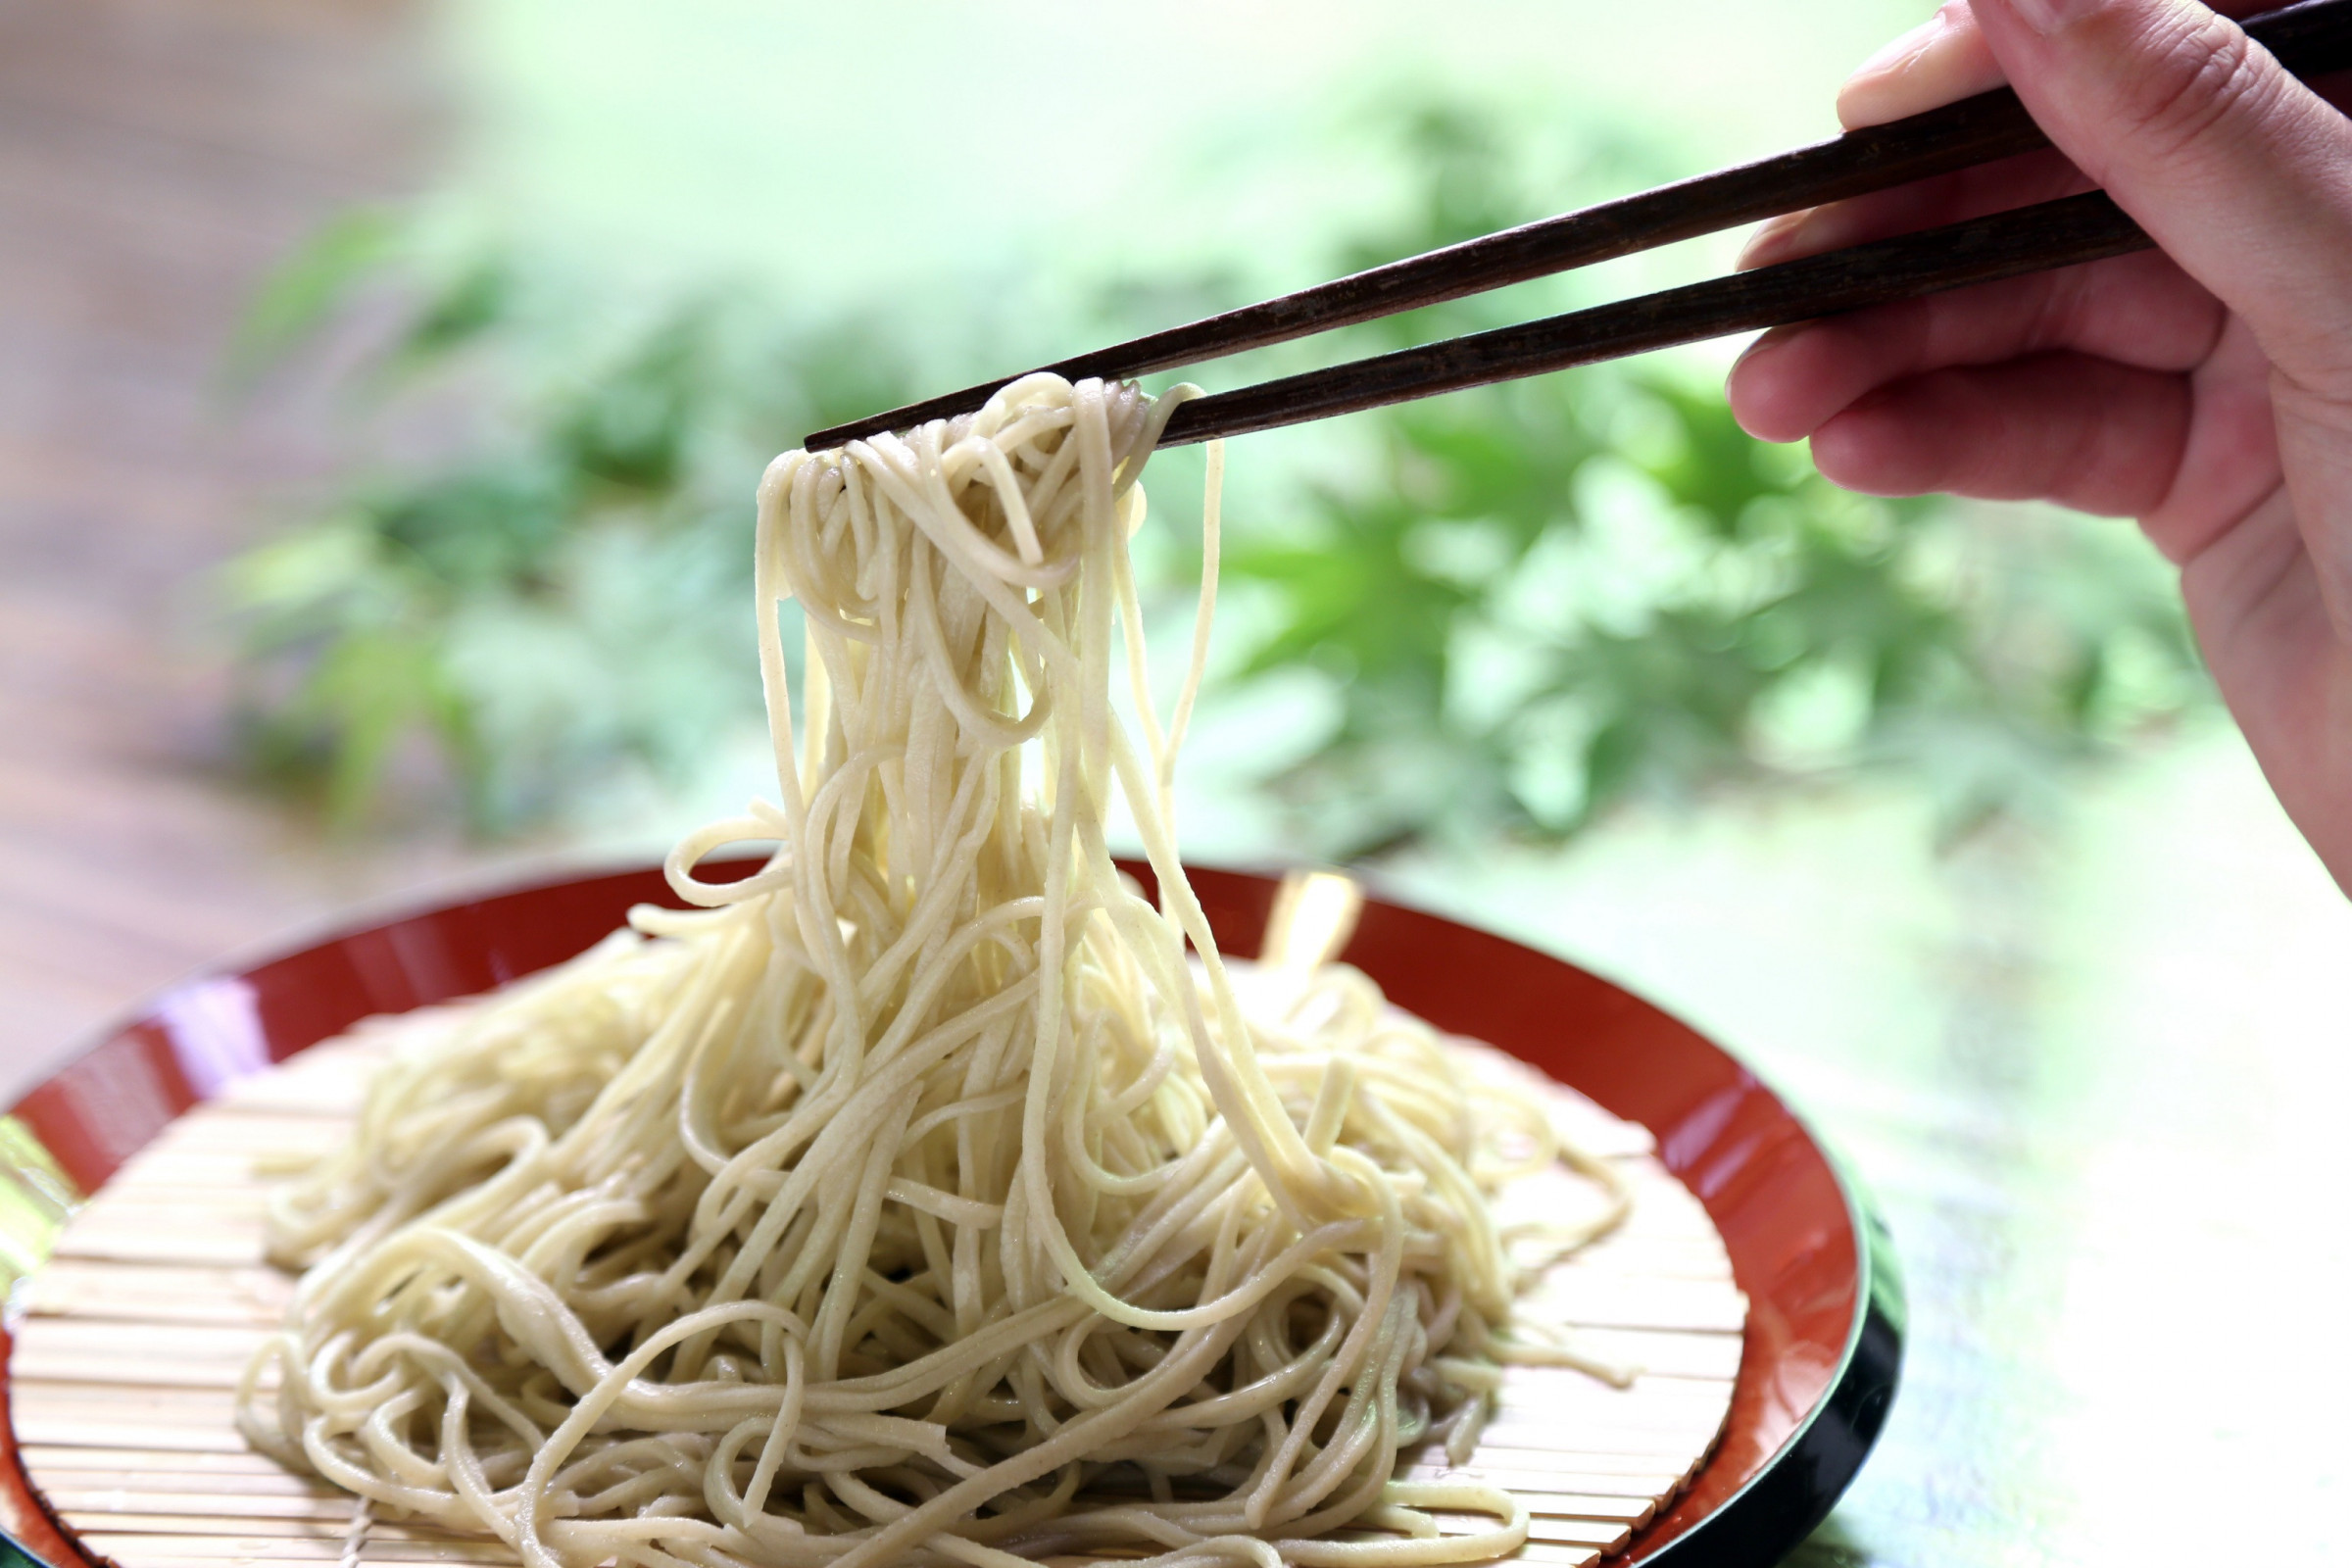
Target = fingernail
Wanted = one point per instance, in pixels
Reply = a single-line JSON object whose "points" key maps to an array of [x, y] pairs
{"points": [[2049, 16], [1770, 242], [1761, 342]]}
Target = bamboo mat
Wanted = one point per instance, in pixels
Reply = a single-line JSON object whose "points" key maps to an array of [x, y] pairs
{"points": [[133, 1338]]}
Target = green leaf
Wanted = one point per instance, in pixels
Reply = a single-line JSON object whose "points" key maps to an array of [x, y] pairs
{"points": [[308, 287], [631, 425], [368, 691], [459, 310]]}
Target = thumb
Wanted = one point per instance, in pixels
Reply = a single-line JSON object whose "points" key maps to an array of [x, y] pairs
{"points": [[2240, 173]]}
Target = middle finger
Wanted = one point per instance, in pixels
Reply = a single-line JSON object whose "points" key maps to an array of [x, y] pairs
{"points": [[2140, 310]]}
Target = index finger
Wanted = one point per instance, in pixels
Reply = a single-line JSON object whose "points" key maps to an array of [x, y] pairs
{"points": [[1942, 60]]}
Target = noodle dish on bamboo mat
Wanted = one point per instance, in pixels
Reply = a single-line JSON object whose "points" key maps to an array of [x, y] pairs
{"points": [[934, 1187]]}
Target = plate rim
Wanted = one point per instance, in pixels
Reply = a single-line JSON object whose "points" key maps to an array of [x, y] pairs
{"points": [[1798, 1486], [1800, 1483]]}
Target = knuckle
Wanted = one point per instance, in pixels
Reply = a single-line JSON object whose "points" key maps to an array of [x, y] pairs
{"points": [[2194, 78], [2321, 395]]}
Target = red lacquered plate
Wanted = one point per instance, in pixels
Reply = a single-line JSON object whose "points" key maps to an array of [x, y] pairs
{"points": [[1825, 1303]]}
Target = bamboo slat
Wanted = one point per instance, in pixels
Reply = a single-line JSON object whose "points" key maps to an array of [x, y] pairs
{"points": [[133, 1338]]}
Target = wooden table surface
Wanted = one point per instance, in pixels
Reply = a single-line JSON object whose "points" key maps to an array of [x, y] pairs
{"points": [[157, 157], [2096, 1075]]}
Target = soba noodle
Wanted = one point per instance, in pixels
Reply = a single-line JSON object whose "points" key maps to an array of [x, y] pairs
{"points": [[918, 1199]]}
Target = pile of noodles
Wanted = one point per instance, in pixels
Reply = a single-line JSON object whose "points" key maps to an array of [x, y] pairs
{"points": [[918, 1199]]}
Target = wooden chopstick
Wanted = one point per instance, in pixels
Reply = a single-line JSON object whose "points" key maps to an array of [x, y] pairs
{"points": [[2311, 38], [1972, 132], [2062, 234]]}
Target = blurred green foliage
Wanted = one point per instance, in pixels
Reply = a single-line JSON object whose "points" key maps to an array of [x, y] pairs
{"points": [[565, 598], [1551, 596], [1536, 601]]}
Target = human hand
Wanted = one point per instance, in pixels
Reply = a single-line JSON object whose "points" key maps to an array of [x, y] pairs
{"points": [[2204, 388]]}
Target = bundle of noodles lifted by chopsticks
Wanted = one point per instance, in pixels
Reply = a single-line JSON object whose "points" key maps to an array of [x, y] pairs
{"points": [[920, 1198]]}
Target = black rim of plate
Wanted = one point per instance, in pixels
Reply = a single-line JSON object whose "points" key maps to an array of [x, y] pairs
{"points": [[1788, 1500]]}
